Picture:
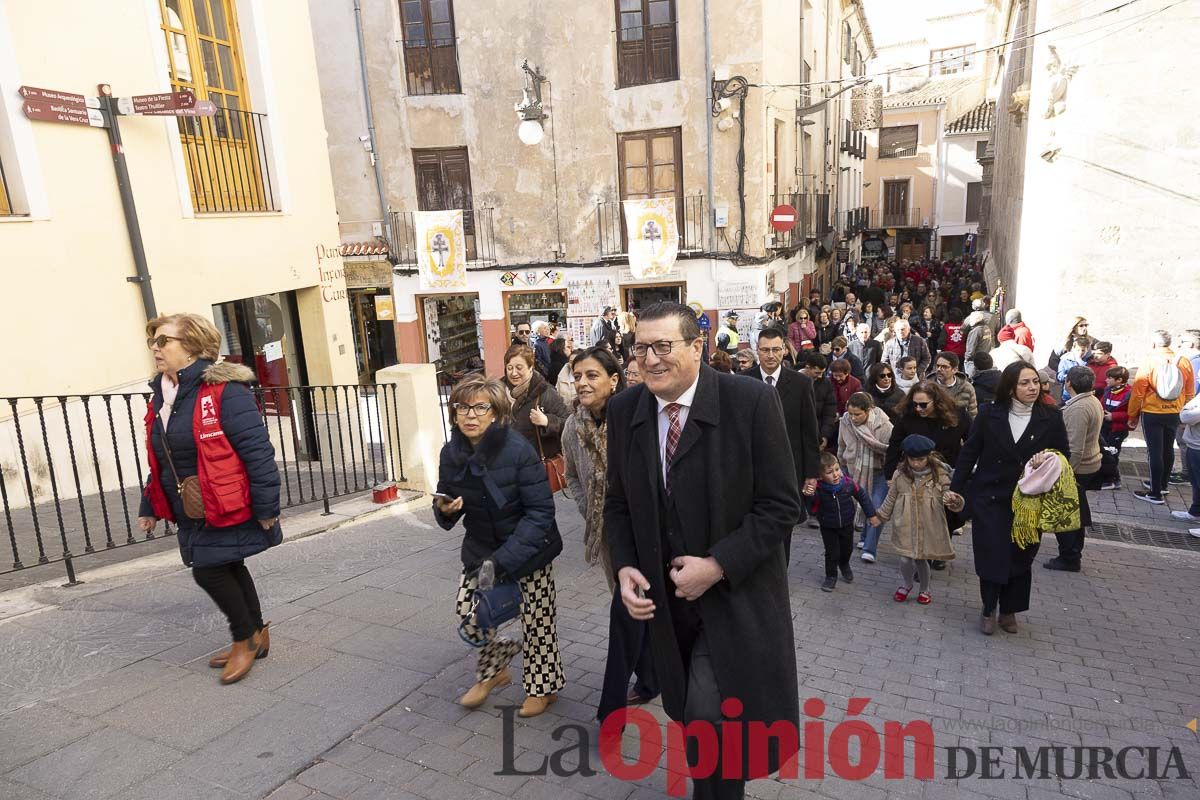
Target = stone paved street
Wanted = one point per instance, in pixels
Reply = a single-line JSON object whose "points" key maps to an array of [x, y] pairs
{"points": [[108, 694]]}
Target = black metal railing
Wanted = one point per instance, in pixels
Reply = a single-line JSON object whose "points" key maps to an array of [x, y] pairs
{"points": [[891, 218], [432, 66], [477, 230], [6, 206], [612, 239], [226, 161], [73, 467], [854, 220]]}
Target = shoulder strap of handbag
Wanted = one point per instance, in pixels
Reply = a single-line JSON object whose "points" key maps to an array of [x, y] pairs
{"points": [[167, 450], [537, 437]]}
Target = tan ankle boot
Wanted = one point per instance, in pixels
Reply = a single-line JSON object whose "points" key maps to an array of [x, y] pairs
{"points": [[1008, 623], [478, 693], [264, 647], [241, 659], [533, 706]]}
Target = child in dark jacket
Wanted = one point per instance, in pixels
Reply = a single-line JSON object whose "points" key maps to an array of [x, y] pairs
{"points": [[832, 504], [1115, 428]]}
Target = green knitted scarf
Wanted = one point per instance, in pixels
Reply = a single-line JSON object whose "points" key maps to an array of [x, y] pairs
{"points": [[1056, 511]]}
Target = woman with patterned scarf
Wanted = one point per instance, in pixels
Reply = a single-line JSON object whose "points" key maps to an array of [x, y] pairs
{"points": [[584, 444]]}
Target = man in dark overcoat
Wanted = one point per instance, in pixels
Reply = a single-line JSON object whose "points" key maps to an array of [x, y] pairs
{"points": [[698, 550], [799, 408]]}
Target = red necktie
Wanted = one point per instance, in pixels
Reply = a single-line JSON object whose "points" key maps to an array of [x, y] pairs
{"points": [[673, 433]]}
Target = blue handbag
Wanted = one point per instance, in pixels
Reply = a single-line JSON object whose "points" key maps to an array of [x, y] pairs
{"points": [[491, 609]]}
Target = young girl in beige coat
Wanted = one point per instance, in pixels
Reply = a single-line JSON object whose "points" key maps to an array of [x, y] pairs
{"points": [[919, 490]]}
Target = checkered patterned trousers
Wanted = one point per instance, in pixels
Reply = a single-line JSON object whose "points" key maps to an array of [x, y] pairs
{"points": [[543, 670]]}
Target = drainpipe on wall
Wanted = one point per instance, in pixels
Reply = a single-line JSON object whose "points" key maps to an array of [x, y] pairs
{"points": [[708, 137], [362, 66]]}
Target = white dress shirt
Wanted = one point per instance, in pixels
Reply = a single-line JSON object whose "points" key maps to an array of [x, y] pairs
{"points": [[774, 376], [664, 421]]}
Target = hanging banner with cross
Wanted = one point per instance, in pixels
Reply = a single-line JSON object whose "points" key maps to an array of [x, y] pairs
{"points": [[441, 249], [653, 234]]}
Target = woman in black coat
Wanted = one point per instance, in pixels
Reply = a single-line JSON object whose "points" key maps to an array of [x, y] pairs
{"points": [[1013, 429], [560, 354], [881, 385], [538, 410], [930, 411], [497, 485], [234, 464]]}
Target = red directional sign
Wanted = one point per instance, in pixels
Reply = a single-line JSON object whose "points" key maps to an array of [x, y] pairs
{"points": [[784, 218], [202, 108], [57, 97], [62, 112]]}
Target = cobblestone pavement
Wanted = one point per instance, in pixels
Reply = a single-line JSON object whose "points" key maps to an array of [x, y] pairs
{"points": [[108, 694]]}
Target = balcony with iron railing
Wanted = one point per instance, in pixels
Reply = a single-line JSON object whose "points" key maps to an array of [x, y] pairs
{"points": [[812, 218], [477, 229], [892, 218], [225, 157], [431, 66], [854, 220], [898, 151], [613, 241]]}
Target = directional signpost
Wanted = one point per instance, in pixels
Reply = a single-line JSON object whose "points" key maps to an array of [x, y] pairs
{"points": [[53, 105]]}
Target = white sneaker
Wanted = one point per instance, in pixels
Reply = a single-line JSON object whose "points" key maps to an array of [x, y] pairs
{"points": [[1166, 488], [1195, 532], [1185, 516], [870, 559]]}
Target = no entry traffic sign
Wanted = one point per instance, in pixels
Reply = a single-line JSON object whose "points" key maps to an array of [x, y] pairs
{"points": [[784, 218]]}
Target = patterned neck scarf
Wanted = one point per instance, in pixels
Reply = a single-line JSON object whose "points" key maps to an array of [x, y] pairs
{"points": [[593, 436]]}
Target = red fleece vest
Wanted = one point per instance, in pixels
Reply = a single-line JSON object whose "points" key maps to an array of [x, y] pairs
{"points": [[224, 483]]}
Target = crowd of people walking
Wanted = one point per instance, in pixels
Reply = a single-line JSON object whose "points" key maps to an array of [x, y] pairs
{"points": [[904, 401]]}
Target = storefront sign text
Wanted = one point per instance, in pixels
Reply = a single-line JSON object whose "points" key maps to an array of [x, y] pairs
{"points": [[332, 276]]}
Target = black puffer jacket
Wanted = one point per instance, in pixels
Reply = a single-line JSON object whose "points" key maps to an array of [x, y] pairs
{"points": [[201, 545], [507, 505]]}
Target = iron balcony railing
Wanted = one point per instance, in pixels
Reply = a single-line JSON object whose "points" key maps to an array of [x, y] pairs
{"points": [[477, 229], [899, 151], [610, 224], [432, 67], [854, 220], [809, 208], [910, 218], [75, 465], [226, 161], [6, 205]]}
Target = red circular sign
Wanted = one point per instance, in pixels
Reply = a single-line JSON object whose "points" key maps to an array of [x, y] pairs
{"points": [[784, 218]]}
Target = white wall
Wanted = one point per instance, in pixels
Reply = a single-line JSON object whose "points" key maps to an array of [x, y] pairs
{"points": [[960, 168]]}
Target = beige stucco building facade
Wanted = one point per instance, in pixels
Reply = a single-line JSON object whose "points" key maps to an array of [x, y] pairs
{"points": [[435, 128], [71, 322], [1089, 190]]}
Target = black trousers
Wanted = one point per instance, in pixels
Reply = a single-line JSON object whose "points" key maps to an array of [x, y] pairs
{"points": [[628, 652], [1070, 544], [703, 700], [839, 546], [1012, 597], [232, 589]]}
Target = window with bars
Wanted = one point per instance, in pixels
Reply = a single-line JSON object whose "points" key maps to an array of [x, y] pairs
{"points": [[951, 60], [646, 42], [430, 47], [225, 154], [899, 141]]}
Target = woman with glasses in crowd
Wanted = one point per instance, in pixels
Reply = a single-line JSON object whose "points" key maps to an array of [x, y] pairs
{"points": [[492, 479], [203, 426], [881, 385], [585, 446]]}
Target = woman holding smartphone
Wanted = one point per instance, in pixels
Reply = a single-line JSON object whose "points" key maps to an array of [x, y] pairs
{"points": [[491, 478]]}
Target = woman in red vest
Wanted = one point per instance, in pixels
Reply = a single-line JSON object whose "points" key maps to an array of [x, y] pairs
{"points": [[203, 427]]}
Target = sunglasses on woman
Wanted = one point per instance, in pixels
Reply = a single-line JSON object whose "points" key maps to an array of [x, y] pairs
{"points": [[161, 340], [921, 405]]}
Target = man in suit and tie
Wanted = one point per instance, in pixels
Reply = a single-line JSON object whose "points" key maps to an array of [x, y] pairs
{"points": [[698, 551], [799, 408]]}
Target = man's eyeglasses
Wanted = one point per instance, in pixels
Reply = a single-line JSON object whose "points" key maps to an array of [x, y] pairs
{"points": [[771, 351], [663, 347], [522, 333], [161, 340], [477, 410]]}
